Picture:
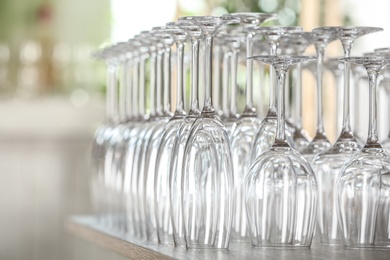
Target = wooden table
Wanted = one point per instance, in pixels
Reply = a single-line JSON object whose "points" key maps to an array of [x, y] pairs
{"points": [[88, 228]]}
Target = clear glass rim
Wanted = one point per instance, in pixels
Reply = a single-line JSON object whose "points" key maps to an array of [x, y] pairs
{"points": [[271, 59], [253, 17]]}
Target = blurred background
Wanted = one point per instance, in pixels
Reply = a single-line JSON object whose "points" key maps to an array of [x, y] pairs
{"points": [[52, 99]]}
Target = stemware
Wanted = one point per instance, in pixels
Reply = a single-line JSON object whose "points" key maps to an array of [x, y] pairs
{"points": [[385, 82], [176, 158], [152, 137], [336, 68], [166, 143], [297, 43], [207, 200], [280, 187], [245, 129], [363, 187], [266, 133], [320, 142], [327, 164], [134, 146], [103, 135]]}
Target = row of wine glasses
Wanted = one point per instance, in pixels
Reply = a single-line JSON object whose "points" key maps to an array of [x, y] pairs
{"points": [[203, 176]]}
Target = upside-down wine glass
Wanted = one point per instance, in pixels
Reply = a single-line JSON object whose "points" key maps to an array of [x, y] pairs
{"points": [[207, 182], [176, 158], [246, 127], [280, 187], [320, 142], [327, 164], [138, 173], [336, 67], [152, 140], [266, 133], [297, 44], [168, 138], [363, 187], [102, 137], [134, 146]]}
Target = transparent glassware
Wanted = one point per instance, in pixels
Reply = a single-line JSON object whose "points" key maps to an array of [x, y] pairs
{"points": [[176, 158], [156, 125], [232, 42], [327, 164], [385, 83], [102, 137], [320, 142], [336, 67], [280, 187], [266, 133], [245, 128], [115, 154], [168, 138], [359, 75], [137, 120], [363, 186], [296, 44], [207, 169], [134, 146]]}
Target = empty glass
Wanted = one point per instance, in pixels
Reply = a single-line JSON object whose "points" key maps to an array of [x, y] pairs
{"points": [[266, 133], [363, 186], [327, 164], [322, 36], [168, 138], [207, 182], [280, 187]]}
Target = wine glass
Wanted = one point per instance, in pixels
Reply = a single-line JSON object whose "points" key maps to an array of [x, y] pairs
{"points": [[160, 186], [176, 157], [322, 37], [327, 164], [245, 128], [151, 140], [336, 67], [207, 172], [266, 133], [232, 42], [103, 135], [385, 82], [363, 186], [280, 187], [296, 44], [134, 146]]}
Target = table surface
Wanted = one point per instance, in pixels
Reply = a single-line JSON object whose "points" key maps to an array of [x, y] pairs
{"points": [[87, 227]]}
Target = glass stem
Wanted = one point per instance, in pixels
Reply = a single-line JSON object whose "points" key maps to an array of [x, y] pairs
{"points": [[135, 99], [179, 111], [272, 93], [129, 90], [152, 86], [320, 48], [260, 82], [356, 96], [225, 83], [249, 108], [112, 92], [372, 139], [194, 77], [298, 96], [233, 89], [208, 103], [217, 77], [159, 68], [346, 129], [122, 92], [142, 79], [280, 130], [167, 81]]}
